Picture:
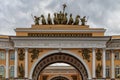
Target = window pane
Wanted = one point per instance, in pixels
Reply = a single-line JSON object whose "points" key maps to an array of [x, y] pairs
{"points": [[2, 55], [12, 71], [117, 55], [2, 71], [107, 56], [117, 71], [12, 56], [107, 72]]}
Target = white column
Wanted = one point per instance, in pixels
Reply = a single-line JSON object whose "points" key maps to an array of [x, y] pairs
{"points": [[112, 65], [104, 63], [7, 63], [26, 63], [93, 63], [15, 63]]}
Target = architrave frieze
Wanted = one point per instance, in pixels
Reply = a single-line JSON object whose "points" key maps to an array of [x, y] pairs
{"points": [[114, 44], [6, 44], [41, 42]]}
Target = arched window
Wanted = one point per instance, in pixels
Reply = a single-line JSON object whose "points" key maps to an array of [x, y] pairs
{"points": [[2, 71], [12, 71]]}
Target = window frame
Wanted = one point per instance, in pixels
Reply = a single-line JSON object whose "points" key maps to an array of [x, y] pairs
{"points": [[2, 55]]}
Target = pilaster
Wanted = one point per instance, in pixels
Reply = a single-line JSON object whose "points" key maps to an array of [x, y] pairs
{"points": [[16, 63], [26, 62], [93, 63], [7, 63], [104, 63]]}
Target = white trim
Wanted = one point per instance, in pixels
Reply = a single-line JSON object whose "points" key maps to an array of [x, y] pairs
{"points": [[80, 30], [26, 63], [104, 63], [93, 63], [7, 63], [3, 65], [112, 65], [63, 51], [15, 63]]}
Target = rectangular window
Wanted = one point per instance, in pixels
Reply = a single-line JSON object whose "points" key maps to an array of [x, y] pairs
{"points": [[12, 56], [108, 56], [2, 55], [2, 71], [12, 72], [117, 72], [117, 56], [107, 72]]}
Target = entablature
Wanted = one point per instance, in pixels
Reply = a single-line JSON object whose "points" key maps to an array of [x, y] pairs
{"points": [[48, 42]]}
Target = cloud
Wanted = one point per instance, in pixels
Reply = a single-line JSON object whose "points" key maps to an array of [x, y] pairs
{"points": [[17, 13]]}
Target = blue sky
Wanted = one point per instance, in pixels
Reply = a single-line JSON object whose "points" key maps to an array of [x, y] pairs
{"points": [[101, 13]]}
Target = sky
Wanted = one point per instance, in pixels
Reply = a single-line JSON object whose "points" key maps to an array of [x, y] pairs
{"points": [[100, 13]]}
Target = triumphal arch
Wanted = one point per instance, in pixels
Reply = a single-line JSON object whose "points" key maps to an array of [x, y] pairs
{"points": [[61, 39]]}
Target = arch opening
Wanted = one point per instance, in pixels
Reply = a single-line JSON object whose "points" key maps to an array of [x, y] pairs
{"points": [[59, 78], [60, 58]]}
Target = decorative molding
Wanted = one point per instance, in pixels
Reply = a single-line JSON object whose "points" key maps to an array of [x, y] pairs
{"points": [[80, 30], [37, 42], [5, 45], [55, 52], [60, 57]]}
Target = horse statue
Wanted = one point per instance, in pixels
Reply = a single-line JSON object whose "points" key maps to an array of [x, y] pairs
{"points": [[55, 20], [36, 20], [77, 20], [49, 20], [65, 19], [43, 20], [70, 22]]}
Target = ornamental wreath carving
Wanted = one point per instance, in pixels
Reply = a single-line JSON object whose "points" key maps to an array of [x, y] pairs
{"points": [[86, 54], [21, 55], [98, 55], [35, 54]]}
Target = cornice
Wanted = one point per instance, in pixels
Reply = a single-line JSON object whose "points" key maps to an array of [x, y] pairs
{"points": [[106, 38], [80, 30]]}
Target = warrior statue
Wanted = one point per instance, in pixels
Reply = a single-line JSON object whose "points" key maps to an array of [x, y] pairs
{"points": [[55, 20], [83, 20], [21, 71], [77, 20], [36, 20], [70, 20], [49, 20], [43, 20], [60, 17], [65, 19]]}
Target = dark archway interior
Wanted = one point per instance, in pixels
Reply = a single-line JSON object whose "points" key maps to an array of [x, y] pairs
{"points": [[60, 57], [59, 78]]}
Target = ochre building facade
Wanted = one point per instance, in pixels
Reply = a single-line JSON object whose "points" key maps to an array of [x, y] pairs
{"points": [[93, 55]]}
